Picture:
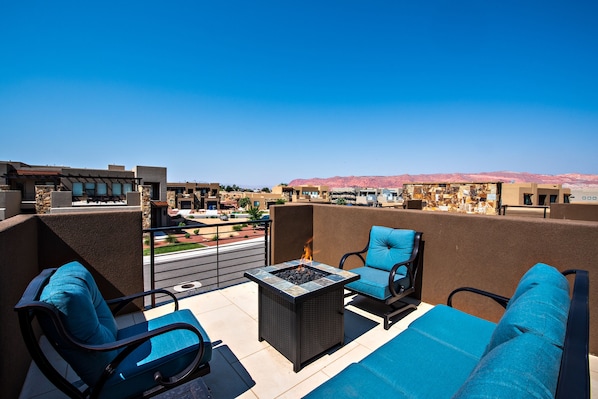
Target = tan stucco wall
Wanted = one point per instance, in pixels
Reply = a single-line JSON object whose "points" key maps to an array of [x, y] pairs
{"points": [[486, 252]]}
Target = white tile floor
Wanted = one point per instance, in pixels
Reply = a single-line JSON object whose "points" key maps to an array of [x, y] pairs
{"points": [[243, 367]]}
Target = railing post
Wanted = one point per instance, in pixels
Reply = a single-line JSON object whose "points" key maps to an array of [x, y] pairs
{"points": [[152, 267], [217, 257]]}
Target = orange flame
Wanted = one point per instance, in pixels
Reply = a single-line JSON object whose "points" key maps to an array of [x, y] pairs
{"points": [[307, 256]]}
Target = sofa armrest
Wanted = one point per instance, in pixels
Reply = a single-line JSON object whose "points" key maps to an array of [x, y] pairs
{"points": [[501, 300], [574, 375]]}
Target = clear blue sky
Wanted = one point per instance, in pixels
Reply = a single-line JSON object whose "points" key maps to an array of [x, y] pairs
{"points": [[257, 93]]}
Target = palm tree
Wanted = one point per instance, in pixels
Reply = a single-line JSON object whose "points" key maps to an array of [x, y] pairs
{"points": [[254, 213]]}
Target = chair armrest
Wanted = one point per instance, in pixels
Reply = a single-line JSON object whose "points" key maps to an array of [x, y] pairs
{"points": [[393, 272], [501, 300], [120, 303], [357, 253]]}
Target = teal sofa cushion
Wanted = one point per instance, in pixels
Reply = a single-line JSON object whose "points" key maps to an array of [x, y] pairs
{"points": [[539, 274], [74, 293], [356, 381], [388, 247], [420, 366], [169, 353], [526, 366], [541, 310], [374, 282], [456, 329]]}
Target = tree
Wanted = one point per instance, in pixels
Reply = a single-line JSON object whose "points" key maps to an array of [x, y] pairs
{"points": [[341, 201], [265, 190], [254, 213], [280, 201], [244, 202]]}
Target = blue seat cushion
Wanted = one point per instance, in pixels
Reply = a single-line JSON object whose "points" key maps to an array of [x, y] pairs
{"points": [[74, 293], [526, 366], [456, 329], [356, 381], [388, 247], [402, 363], [168, 353], [374, 282], [541, 310]]}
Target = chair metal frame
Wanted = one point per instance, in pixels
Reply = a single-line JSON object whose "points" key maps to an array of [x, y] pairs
{"points": [[414, 269], [30, 307]]}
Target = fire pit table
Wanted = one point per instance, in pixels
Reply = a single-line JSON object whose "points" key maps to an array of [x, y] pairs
{"points": [[301, 307]]}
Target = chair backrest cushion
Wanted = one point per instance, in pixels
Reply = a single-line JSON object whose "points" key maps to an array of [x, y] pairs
{"points": [[388, 247], [85, 315]]}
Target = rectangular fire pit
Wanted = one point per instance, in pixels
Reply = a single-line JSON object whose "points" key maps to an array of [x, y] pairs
{"points": [[301, 321]]}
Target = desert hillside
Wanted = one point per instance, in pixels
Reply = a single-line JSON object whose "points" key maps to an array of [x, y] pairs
{"points": [[567, 180]]}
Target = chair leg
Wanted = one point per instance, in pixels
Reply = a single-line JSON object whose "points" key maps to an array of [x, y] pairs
{"points": [[396, 311]]}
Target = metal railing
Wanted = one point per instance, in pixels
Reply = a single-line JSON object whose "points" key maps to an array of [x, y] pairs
{"points": [[220, 261]]}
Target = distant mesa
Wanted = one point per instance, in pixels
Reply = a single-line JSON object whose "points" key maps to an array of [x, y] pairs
{"points": [[567, 180]]}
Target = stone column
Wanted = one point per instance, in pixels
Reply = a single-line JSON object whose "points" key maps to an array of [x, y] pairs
{"points": [[146, 207], [43, 199]]}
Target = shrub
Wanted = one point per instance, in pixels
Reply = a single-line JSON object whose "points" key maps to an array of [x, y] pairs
{"points": [[196, 231], [171, 239], [237, 227], [187, 235], [181, 224], [215, 237]]}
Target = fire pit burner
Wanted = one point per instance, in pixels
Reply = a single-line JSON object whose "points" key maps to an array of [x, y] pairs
{"points": [[300, 274]]}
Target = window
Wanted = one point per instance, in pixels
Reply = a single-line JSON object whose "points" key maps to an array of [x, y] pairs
{"points": [[90, 188], [553, 198], [102, 189], [566, 199], [77, 189], [117, 189], [542, 199], [527, 199], [256, 204], [127, 187]]}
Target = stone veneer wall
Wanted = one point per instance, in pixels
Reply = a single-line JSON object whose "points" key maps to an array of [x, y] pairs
{"points": [[146, 207], [171, 199], [43, 199]]}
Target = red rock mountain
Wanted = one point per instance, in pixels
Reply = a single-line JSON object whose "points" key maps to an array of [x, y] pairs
{"points": [[567, 180]]}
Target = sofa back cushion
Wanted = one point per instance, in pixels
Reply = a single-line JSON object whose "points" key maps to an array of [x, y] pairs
{"points": [[85, 315], [524, 367], [388, 247], [542, 309], [539, 274]]}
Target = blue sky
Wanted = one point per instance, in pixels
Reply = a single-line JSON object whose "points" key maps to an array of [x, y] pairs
{"points": [[257, 93]]}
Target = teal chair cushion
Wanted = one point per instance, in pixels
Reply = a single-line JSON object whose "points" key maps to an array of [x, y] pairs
{"points": [[169, 353], [74, 293], [526, 366], [374, 282], [455, 328], [541, 310], [388, 247]]}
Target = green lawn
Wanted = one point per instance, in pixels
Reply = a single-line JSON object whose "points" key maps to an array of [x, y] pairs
{"points": [[173, 248]]}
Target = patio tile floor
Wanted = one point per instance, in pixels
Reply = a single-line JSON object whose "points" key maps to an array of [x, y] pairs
{"points": [[243, 367]]}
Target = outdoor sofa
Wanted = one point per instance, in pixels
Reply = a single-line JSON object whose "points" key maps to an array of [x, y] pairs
{"points": [[538, 349]]}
